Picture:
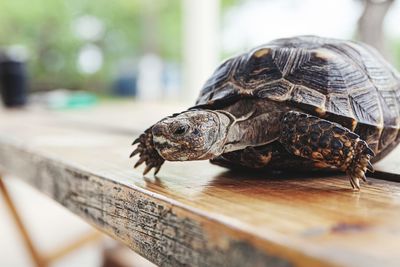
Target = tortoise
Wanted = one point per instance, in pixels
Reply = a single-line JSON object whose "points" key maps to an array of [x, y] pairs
{"points": [[300, 103]]}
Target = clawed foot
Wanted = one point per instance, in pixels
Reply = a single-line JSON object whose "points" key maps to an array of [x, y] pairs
{"points": [[326, 142], [147, 153], [360, 164]]}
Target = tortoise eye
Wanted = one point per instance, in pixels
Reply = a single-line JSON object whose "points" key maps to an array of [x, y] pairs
{"points": [[180, 130]]}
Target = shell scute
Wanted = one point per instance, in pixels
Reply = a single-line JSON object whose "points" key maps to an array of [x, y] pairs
{"points": [[279, 90], [255, 70], [339, 104], [304, 95], [365, 105]]}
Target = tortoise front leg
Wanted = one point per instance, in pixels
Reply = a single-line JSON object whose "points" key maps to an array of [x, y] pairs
{"points": [[147, 152], [327, 142]]}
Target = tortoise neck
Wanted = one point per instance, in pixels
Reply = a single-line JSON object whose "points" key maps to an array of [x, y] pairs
{"points": [[226, 122], [258, 124]]}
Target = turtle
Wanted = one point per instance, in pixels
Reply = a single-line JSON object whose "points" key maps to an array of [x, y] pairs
{"points": [[299, 103]]}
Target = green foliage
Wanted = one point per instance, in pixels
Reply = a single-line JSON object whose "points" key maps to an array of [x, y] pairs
{"points": [[45, 28], [228, 3], [132, 27]]}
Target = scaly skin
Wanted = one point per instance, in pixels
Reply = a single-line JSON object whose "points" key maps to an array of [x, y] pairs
{"points": [[147, 152], [321, 140]]}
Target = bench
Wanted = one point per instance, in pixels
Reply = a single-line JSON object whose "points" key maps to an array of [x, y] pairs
{"points": [[195, 213]]}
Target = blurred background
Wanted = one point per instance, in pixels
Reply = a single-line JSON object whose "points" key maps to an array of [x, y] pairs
{"points": [[153, 50], [77, 53]]}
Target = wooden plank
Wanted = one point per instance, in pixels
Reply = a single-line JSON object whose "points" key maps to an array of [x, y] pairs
{"points": [[195, 213]]}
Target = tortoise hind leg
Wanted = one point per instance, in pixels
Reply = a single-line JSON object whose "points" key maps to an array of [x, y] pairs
{"points": [[327, 142], [249, 157], [272, 157]]}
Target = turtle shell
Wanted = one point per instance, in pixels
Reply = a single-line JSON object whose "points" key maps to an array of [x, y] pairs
{"points": [[327, 77]]}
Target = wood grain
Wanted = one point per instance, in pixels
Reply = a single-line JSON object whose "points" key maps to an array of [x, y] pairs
{"points": [[194, 213]]}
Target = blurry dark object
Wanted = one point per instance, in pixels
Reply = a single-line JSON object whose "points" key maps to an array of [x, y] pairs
{"points": [[13, 81], [370, 24], [125, 86]]}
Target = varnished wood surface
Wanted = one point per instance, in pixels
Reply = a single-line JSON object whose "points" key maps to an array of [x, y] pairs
{"points": [[195, 213]]}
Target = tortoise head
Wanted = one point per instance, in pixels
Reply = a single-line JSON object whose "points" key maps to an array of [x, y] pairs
{"points": [[190, 135]]}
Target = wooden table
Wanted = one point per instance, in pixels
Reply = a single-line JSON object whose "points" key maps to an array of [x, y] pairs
{"points": [[197, 214]]}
